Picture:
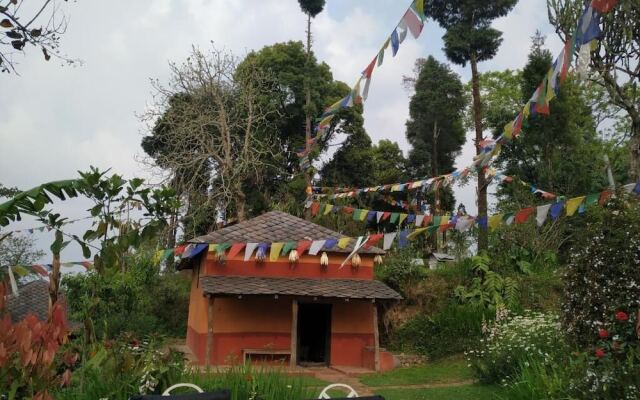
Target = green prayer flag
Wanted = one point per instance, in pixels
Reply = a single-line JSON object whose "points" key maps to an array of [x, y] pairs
{"points": [[436, 220], [432, 229], [592, 199], [394, 217], [356, 214], [222, 247], [288, 247]]}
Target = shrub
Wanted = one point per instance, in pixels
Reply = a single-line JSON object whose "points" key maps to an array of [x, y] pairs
{"points": [[513, 341], [603, 273], [488, 288], [455, 329], [30, 363], [140, 300], [399, 270], [117, 369], [612, 365]]}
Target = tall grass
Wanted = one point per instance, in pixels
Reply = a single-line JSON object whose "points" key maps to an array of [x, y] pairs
{"points": [[251, 383]]}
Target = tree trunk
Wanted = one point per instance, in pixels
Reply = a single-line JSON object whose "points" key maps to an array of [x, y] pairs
{"points": [[435, 210], [54, 277], [483, 234], [240, 200], [307, 122], [634, 148]]}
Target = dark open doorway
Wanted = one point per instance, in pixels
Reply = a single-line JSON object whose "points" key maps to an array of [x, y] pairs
{"points": [[314, 334]]}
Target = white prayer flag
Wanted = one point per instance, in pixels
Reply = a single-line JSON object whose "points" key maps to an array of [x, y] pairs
{"points": [[541, 214], [248, 251]]}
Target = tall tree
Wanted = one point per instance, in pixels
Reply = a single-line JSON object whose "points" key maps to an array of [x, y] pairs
{"points": [[214, 116], [293, 73], [435, 127], [353, 163], [390, 165], [19, 250], [469, 38], [614, 59], [39, 25], [311, 8], [559, 152]]}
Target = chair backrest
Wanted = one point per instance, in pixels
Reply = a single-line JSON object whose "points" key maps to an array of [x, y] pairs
{"points": [[325, 392]]}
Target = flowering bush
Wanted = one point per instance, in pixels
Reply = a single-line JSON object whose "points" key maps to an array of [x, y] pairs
{"points": [[512, 342], [603, 273], [30, 363], [612, 366]]}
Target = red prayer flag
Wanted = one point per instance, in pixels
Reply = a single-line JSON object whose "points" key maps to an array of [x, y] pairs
{"points": [[179, 250], [369, 70], [385, 215], [427, 220], [604, 6], [39, 269], [412, 21], [347, 210], [523, 215], [315, 207], [303, 246], [235, 249], [373, 239], [604, 196]]}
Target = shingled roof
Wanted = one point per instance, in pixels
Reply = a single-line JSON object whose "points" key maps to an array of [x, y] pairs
{"points": [[33, 298], [277, 226], [326, 288]]}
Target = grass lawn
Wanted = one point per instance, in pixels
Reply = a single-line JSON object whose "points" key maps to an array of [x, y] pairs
{"points": [[448, 370], [466, 392]]}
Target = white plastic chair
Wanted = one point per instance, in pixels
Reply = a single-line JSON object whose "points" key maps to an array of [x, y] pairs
{"points": [[179, 385], [324, 395]]}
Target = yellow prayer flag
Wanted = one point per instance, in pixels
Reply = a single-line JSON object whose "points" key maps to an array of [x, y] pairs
{"points": [[495, 221], [158, 256], [527, 109], [416, 233], [444, 220], [395, 188], [212, 247], [420, 7], [403, 216], [363, 214], [573, 204], [344, 242], [327, 209], [508, 130], [276, 248]]}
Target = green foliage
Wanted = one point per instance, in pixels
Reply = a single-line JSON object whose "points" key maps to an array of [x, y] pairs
{"points": [[19, 250], [118, 369], [513, 340], [252, 383], [434, 128], [444, 371], [501, 98], [603, 273], [464, 392], [488, 288], [8, 191], [311, 7], [468, 24], [140, 300], [389, 162], [399, 271], [455, 329], [559, 152]]}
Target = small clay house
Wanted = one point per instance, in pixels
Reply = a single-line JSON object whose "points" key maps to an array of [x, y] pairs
{"points": [[289, 299]]}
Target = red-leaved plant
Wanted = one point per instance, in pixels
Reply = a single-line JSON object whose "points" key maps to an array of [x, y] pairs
{"points": [[28, 350]]}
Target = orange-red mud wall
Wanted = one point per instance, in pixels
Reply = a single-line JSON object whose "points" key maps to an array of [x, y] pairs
{"points": [[307, 267], [265, 322]]}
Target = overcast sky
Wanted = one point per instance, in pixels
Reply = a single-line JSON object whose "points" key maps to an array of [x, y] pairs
{"points": [[55, 120]]}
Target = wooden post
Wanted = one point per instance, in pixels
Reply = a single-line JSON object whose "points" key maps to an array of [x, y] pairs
{"points": [[376, 338], [210, 300], [293, 359]]}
